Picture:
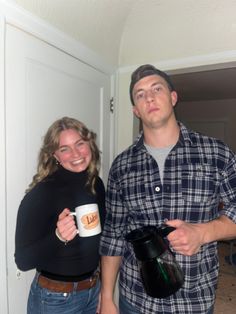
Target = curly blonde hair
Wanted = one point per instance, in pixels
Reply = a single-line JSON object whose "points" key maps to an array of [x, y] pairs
{"points": [[47, 164]]}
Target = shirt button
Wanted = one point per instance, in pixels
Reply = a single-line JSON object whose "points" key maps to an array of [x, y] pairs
{"points": [[157, 189]]}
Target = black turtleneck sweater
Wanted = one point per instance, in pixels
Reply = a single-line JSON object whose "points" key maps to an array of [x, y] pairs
{"points": [[36, 245]]}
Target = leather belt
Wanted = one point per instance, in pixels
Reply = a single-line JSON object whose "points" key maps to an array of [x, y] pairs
{"points": [[67, 287]]}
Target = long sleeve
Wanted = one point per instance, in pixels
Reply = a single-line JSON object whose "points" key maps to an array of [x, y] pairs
{"points": [[100, 191], [35, 239]]}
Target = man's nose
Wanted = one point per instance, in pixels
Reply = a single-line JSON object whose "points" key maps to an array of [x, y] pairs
{"points": [[149, 95]]}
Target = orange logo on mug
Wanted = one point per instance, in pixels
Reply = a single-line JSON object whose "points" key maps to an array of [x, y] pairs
{"points": [[90, 220]]}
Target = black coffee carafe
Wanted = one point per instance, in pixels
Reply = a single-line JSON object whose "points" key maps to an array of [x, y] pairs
{"points": [[160, 272]]}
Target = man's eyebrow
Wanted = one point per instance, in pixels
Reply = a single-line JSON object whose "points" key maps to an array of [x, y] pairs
{"points": [[157, 83], [138, 90], [153, 84]]}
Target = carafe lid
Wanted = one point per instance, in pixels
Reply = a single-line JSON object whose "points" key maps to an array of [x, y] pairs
{"points": [[146, 242]]}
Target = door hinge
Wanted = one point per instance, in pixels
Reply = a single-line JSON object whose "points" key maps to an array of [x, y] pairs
{"points": [[112, 105]]}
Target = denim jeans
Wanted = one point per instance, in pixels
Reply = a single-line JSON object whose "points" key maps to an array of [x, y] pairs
{"points": [[211, 310], [126, 308], [43, 301]]}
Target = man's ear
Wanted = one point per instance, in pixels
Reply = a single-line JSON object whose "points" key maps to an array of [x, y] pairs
{"points": [[136, 112], [174, 98]]}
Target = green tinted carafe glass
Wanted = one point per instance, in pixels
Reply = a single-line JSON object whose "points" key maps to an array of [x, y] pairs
{"points": [[160, 272]]}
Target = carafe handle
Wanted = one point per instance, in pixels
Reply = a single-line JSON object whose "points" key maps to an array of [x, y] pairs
{"points": [[165, 230]]}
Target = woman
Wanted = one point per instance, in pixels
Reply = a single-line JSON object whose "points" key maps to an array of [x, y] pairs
{"points": [[66, 279]]}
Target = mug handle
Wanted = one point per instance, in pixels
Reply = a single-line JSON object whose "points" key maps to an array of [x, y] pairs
{"points": [[74, 214]]}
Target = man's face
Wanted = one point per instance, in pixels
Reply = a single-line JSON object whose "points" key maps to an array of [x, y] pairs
{"points": [[153, 101]]}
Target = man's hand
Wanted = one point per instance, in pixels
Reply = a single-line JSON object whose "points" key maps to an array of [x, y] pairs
{"points": [[187, 239]]}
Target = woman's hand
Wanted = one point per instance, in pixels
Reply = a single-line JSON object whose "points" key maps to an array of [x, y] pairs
{"points": [[108, 307], [66, 228]]}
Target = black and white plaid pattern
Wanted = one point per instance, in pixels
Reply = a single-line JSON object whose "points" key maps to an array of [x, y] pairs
{"points": [[199, 172]]}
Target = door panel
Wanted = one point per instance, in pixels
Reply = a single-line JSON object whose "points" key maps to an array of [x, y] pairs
{"points": [[43, 84]]}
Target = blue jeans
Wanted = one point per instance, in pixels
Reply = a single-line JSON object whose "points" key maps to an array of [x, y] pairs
{"points": [[43, 301], [126, 308]]}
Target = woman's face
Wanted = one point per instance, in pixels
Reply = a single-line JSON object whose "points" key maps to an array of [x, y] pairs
{"points": [[74, 154]]}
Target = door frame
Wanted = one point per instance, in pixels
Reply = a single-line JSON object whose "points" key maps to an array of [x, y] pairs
{"points": [[3, 247]]}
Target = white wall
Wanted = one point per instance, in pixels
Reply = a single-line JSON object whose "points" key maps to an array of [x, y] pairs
{"points": [[124, 113], [164, 30]]}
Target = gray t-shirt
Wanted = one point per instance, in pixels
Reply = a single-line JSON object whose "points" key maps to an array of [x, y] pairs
{"points": [[159, 154]]}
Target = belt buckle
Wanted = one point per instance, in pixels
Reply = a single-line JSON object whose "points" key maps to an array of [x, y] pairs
{"points": [[93, 279]]}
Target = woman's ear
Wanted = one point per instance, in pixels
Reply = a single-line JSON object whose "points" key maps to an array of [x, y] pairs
{"points": [[57, 159]]}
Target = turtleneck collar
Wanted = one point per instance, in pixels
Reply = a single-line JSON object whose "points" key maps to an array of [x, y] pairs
{"points": [[65, 175]]}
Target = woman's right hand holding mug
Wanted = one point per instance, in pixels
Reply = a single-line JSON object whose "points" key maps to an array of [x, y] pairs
{"points": [[66, 228]]}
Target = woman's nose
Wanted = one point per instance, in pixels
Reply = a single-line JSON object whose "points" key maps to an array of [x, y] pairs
{"points": [[75, 152]]}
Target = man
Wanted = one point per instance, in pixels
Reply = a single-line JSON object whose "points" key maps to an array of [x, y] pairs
{"points": [[173, 176]]}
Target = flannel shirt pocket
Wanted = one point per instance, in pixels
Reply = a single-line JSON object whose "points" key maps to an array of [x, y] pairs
{"points": [[197, 183]]}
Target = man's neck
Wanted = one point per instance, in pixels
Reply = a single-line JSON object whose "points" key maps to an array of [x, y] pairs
{"points": [[163, 136]]}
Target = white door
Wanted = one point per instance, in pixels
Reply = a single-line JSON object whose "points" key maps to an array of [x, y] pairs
{"points": [[43, 84]]}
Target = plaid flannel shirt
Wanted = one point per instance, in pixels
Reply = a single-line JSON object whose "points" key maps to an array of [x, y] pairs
{"points": [[199, 172]]}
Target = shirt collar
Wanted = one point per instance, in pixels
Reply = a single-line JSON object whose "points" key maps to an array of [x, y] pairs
{"points": [[184, 138]]}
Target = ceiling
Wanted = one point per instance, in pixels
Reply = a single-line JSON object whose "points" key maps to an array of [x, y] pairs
{"points": [[87, 20], [98, 24], [206, 85]]}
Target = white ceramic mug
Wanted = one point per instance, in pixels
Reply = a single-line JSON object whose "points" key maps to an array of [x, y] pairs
{"points": [[88, 220]]}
